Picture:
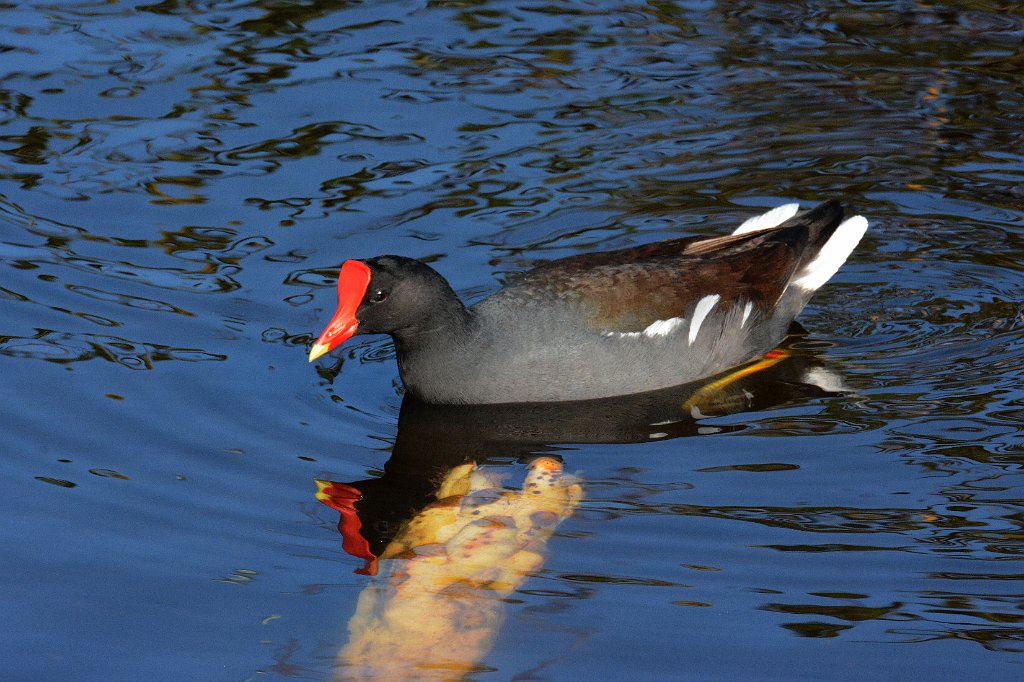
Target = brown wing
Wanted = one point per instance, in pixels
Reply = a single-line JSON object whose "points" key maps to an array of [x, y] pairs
{"points": [[630, 288]]}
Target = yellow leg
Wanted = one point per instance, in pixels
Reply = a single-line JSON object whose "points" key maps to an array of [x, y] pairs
{"points": [[708, 390]]}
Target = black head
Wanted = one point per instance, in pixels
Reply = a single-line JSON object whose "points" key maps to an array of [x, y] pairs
{"points": [[404, 296], [389, 295]]}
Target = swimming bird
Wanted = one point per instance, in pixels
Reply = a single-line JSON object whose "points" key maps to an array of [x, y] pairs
{"points": [[603, 324]]}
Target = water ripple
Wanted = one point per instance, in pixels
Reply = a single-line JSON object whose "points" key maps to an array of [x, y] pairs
{"points": [[65, 347]]}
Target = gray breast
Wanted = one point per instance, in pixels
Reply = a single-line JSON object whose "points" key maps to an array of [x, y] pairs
{"points": [[541, 352]]}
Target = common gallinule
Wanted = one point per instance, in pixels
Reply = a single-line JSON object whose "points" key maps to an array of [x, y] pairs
{"points": [[598, 324]]}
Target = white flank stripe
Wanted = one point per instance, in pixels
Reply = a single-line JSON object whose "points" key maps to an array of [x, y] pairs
{"points": [[704, 307], [654, 329], [663, 327], [746, 313], [835, 252], [772, 218]]}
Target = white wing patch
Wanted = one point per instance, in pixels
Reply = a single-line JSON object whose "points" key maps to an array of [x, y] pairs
{"points": [[835, 252], [704, 307], [772, 218], [746, 313]]}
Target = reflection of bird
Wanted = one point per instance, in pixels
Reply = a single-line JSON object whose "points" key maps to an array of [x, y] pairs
{"points": [[601, 324], [433, 439], [437, 605]]}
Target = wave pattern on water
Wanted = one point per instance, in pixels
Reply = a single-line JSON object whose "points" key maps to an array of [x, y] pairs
{"points": [[180, 180]]}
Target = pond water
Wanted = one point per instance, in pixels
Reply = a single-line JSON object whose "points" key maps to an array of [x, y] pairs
{"points": [[180, 181]]}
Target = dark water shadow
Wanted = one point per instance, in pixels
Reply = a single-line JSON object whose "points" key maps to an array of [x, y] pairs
{"points": [[432, 439]]}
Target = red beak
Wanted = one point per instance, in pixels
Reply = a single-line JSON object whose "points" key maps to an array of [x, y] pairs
{"points": [[352, 283]]}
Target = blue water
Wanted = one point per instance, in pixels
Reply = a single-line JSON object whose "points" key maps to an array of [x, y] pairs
{"points": [[180, 181]]}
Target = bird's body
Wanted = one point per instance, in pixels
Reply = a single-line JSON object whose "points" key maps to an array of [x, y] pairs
{"points": [[602, 324]]}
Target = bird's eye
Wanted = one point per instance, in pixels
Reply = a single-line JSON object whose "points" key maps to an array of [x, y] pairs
{"points": [[379, 296]]}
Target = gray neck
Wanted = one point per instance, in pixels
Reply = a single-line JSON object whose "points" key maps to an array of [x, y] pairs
{"points": [[447, 321], [431, 354]]}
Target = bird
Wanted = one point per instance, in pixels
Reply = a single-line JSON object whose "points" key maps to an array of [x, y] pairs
{"points": [[598, 325]]}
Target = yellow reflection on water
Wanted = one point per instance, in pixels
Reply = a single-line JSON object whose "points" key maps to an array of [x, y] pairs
{"points": [[436, 605]]}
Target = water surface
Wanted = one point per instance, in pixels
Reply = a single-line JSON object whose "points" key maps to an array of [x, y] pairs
{"points": [[180, 180]]}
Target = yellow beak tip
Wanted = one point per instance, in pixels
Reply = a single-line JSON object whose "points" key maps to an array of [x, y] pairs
{"points": [[318, 350]]}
